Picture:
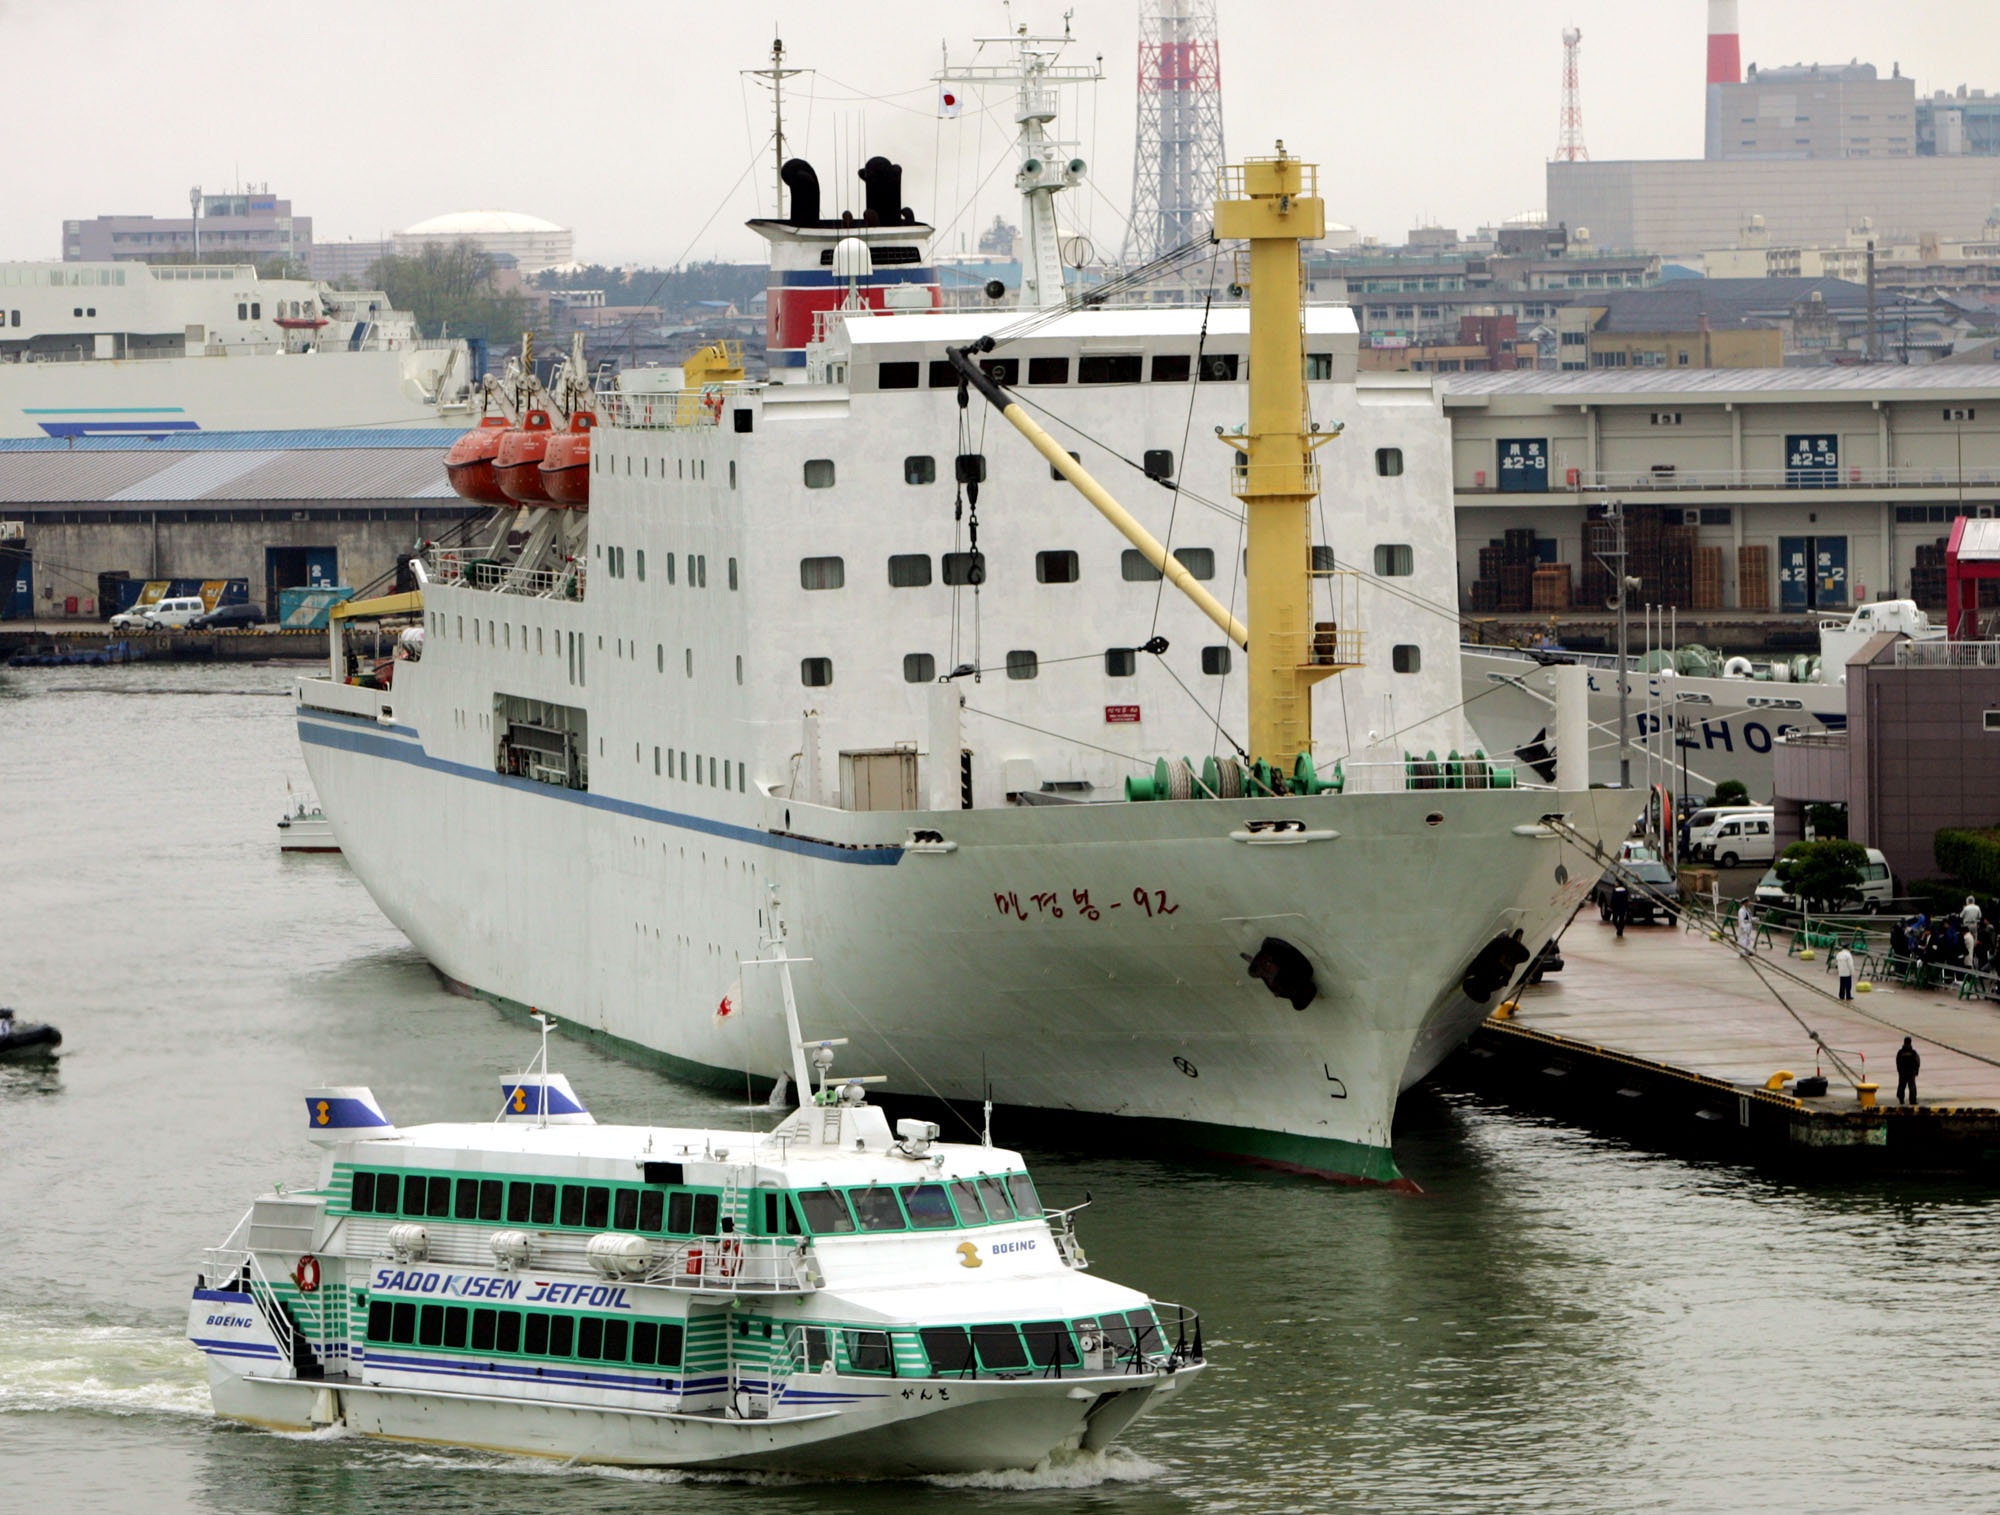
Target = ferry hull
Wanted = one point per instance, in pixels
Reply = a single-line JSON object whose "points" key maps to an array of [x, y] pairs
{"points": [[1727, 726], [1089, 959], [969, 1426]]}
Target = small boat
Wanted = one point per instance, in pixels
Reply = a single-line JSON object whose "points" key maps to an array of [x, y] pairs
{"points": [[26, 1041], [517, 466], [305, 829], [566, 464], [831, 1298], [469, 463]]}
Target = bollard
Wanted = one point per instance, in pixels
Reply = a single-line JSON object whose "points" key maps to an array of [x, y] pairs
{"points": [[1866, 1094]]}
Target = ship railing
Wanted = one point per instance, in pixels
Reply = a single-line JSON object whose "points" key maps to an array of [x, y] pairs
{"points": [[736, 1264], [669, 410], [1062, 1226], [1942, 654], [235, 1269], [1180, 1337], [469, 569]]}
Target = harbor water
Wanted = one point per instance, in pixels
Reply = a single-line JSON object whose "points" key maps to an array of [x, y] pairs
{"points": [[1558, 1323]]}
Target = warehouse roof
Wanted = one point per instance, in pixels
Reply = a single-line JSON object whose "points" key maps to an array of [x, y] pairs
{"points": [[139, 472], [1880, 381], [413, 438]]}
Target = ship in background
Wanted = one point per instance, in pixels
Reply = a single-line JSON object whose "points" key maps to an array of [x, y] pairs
{"points": [[138, 350], [845, 634]]}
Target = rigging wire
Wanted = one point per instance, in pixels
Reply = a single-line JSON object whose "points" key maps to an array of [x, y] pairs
{"points": [[1187, 430]]}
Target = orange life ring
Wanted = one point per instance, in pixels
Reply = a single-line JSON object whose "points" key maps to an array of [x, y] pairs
{"points": [[306, 1274], [729, 1257]]}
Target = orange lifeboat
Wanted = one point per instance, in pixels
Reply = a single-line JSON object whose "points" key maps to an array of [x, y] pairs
{"points": [[518, 465], [566, 464], [469, 463]]}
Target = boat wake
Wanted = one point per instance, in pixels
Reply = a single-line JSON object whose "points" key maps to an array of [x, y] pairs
{"points": [[102, 1369], [1066, 1470]]}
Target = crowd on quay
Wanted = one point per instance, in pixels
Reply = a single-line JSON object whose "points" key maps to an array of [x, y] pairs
{"points": [[1964, 940]]}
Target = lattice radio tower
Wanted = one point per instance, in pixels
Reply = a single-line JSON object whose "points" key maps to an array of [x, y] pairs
{"points": [[1569, 132], [1179, 156]]}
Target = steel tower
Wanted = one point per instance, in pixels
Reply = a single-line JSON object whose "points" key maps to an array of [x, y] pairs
{"points": [[1569, 130], [1178, 159]]}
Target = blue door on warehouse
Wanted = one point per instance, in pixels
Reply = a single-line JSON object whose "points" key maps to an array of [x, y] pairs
{"points": [[298, 568], [1812, 573]]}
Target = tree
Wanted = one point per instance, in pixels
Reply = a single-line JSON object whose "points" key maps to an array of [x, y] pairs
{"points": [[450, 292], [1827, 820], [1822, 874], [1732, 792]]}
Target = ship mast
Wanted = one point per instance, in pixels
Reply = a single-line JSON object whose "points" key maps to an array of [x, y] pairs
{"points": [[777, 73], [1273, 204], [1046, 165]]}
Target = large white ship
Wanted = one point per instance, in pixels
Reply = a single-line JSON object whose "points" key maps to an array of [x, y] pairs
{"points": [[138, 350], [848, 634]]}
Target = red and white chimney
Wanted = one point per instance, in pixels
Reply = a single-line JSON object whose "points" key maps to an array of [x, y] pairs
{"points": [[1725, 66]]}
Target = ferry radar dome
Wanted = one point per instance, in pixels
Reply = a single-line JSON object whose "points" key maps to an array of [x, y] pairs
{"points": [[527, 242]]}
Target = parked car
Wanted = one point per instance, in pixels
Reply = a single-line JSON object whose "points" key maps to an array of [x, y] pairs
{"points": [[130, 620], [171, 614], [1735, 839], [1874, 891], [1695, 830], [1653, 890], [228, 618]]}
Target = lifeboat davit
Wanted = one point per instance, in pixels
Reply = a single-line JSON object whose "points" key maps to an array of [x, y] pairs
{"points": [[566, 464], [469, 464], [518, 464]]}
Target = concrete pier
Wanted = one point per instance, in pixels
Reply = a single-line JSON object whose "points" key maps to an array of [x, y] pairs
{"points": [[1670, 1038]]}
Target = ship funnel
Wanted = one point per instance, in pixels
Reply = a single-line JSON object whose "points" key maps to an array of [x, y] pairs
{"points": [[803, 182], [345, 1114], [543, 1099]]}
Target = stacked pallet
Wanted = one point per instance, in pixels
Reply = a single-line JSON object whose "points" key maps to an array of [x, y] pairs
{"points": [[1708, 578], [1506, 579], [1753, 578], [1485, 594], [1517, 583], [1550, 589]]}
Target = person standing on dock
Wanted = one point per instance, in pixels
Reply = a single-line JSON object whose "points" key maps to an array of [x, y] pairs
{"points": [[1908, 1063], [1746, 929], [1969, 916], [1621, 906], [1843, 965]]}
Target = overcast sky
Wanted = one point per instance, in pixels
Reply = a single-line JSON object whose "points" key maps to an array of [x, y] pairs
{"points": [[628, 119]]}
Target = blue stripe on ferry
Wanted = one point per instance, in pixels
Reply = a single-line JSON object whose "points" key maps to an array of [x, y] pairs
{"points": [[223, 1296], [364, 736], [234, 1348], [453, 1368]]}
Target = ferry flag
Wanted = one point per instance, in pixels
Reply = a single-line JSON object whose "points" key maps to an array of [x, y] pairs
{"points": [[949, 101]]}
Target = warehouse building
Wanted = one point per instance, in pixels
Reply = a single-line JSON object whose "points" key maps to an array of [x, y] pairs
{"points": [[1803, 489], [281, 510]]}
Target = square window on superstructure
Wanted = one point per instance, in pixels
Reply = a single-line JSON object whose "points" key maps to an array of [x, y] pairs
{"points": [[1022, 664], [1394, 560], [919, 668], [965, 568], [942, 374], [920, 469], [1048, 370], [1406, 657], [1109, 368], [1120, 662], [969, 468], [902, 375], [1322, 558], [1319, 366], [819, 473], [1002, 370], [1056, 567], [1158, 462], [822, 573], [1198, 561], [1218, 366], [1216, 660], [816, 673], [1388, 462], [1132, 565], [1172, 367], [909, 570]]}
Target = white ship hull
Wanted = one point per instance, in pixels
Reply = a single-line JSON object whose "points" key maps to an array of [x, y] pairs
{"points": [[1086, 959], [266, 391], [1719, 728]]}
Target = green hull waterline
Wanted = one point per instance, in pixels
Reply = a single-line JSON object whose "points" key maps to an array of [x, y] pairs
{"points": [[1324, 1157]]}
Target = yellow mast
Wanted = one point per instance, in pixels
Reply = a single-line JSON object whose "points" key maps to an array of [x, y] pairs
{"points": [[1273, 204]]}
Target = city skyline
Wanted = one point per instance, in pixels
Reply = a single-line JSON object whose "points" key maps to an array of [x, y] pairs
{"points": [[652, 158]]}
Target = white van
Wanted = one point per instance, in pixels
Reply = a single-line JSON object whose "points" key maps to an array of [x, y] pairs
{"points": [[1738, 839], [1874, 891], [172, 613], [1701, 825]]}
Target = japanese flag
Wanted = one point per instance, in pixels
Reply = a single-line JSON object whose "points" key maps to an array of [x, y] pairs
{"points": [[731, 1001], [948, 100]]}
